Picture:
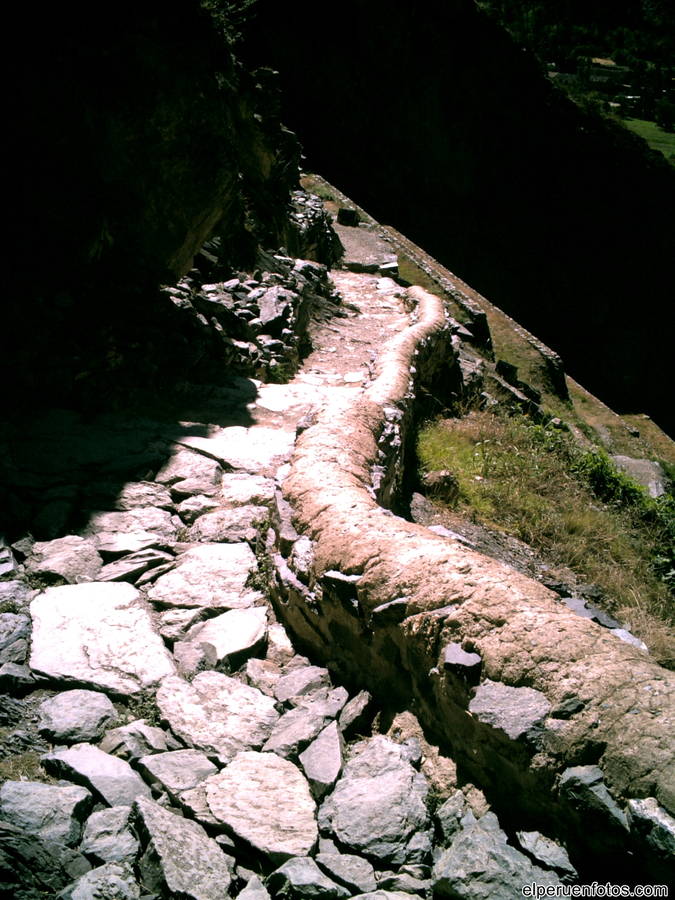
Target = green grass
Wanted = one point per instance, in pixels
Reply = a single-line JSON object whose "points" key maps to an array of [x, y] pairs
{"points": [[572, 506], [657, 138]]}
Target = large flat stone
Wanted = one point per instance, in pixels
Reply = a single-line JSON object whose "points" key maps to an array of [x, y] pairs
{"points": [[217, 714], [72, 558], [108, 837], [183, 860], [322, 760], [97, 634], [243, 523], [242, 489], [234, 635], [257, 449], [516, 711], [109, 777], [75, 716], [180, 770], [211, 575], [265, 801]]}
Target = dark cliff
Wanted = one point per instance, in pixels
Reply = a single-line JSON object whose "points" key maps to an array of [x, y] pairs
{"points": [[443, 127]]}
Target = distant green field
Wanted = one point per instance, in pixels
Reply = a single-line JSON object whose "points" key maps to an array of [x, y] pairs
{"points": [[656, 137]]}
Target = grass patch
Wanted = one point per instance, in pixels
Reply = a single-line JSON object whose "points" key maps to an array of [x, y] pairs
{"points": [[534, 482], [657, 138]]}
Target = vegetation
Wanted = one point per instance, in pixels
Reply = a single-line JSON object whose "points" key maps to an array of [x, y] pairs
{"points": [[573, 506], [655, 136]]}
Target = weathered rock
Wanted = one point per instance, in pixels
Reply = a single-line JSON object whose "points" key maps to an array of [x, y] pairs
{"points": [[354, 872], [238, 489], [16, 679], [137, 739], [404, 882], [136, 526], [217, 714], [518, 712], [653, 823], [357, 715], [112, 880], [279, 647], [266, 802], [262, 674], [547, 853], [180, 857], [76, 716], [72, 558], [294, 731], [480, 864], [137, 494], [378, 802], [646, 472], [185, 465], [174, 623], [301, 877], [382, 895], [195, 506], [322, 760], [108, 836], [465, 665], [177, 771], [99, 634], [585, 788], [254, 890], [132, 566], [449, 816], [242, 523], [211, 575], [301, 681], [14, 634], [258, 449], [29, 868], [234, 635], [53, 812], [193, 656], [107, 776]]}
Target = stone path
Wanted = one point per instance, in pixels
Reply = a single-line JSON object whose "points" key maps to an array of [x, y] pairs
{"points": [[224, 762]]}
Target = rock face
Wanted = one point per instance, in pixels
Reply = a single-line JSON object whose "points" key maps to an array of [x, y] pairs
{"points": [[217, 714], [179, 856], [266, 802], [378, 802], [97, 634]]}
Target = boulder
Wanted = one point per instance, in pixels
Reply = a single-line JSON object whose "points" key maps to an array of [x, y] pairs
{"points": [[646, 472], [378, 802], [258, 449], [111, 880], [108, 836], [480, 865], [353, 872], [197, 505], [50, 811], [76, 716], [137, 739], [210, 575], [295, 730], [239, 489], [265, 801], [301, 681], [71, 558], [14, 634], [280, 650], [133, 565], [135, 494], [654, 825], [357, 715], [98, 634], [243, 523], [301, 877], [262, 674], [131, 530], [547, 853], [234, 635], [517, 711], [585, 788], [177, 771], [110, 778], [217, 714], [322, 760], [180, 858], [254, 890], [29, 868], [184, 465]]}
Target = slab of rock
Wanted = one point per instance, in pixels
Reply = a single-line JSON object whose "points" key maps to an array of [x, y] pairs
{"points": [[14, 634], [53, 812], [654, 824], [217, 714], [174, 623], [109, 777], [177, 771], [254, 890], [185, 465], [378, 802], [108, 836], [265, 800], [279, 647], [322, 760], [294, 731], [234, 635], [111, 880], [141, 494], [646, 472], [137, 739], [72, 558], [449, 816], [301, 681], [140, 525], [403, 881], [547, 853], [585, 788], [242, 523], [238, 489], [210, 575], [517, 711], [480, 865], [28, 866], [357, 715], [180, 857], [257, 449], [354, 872], [262, 674], [98, 634], [465, 665], [301, 877], [133, 565], [197, 505]]}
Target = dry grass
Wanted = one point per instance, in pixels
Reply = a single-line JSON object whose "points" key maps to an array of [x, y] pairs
{"points": [[534, 483]]}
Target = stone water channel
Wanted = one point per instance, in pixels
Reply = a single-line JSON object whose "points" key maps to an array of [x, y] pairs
{"points": [[238, 676]]}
